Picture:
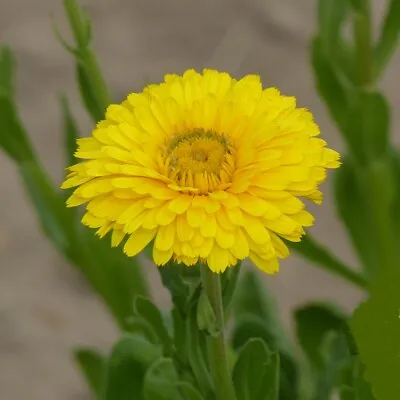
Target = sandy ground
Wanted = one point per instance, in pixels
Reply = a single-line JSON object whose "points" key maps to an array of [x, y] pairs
{"points": [[45, 309]]}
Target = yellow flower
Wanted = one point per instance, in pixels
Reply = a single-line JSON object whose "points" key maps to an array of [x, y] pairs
{"points": [[208, 166]]}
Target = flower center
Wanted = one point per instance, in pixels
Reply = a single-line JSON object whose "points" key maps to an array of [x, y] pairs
{"points": [[199, 159]]}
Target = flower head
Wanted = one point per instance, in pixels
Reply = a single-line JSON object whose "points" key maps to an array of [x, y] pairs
{"points": [[209, 167]]}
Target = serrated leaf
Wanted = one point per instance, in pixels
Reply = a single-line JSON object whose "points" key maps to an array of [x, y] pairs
{"points": [[313, 251], [130, 358], [93, 366], [150, 312], [159, 381], [313, 322], [256, 372], [376, 328], [388, 39]]}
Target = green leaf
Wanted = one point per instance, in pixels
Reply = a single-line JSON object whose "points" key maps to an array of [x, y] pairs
{"points": [[376, 328], [13, 138], [256, 317], [196, 352], [206, 319], [130, 358], [6, 72], [88, 96], [388, 39], [141, 327], [331, 16], [150, 312], [54, 217], [353, 386], [189, 392], [92, 85], [229, 280], [251, 298], [71, 133], [313, 251], [159, 381], [330, 85], [351, 206], [173, 279], [93, 367], [256, 372], [337, 354], [313, 322], [367, 128], [116, 277]]}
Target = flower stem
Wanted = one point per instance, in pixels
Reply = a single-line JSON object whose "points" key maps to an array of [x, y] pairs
{"points": [[216, 344]]}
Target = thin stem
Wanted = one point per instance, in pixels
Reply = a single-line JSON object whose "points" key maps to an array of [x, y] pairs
{"points": [[216, 344], [363, 39]]}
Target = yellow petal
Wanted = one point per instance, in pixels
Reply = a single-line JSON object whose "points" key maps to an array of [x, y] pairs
{"points": [[218, 259], [165, 216], [224, 238], [270, 266], [208, 227], [241, 247], [183, 230], [303, 217], [281, 249], [161, 257], [117, 237], [195, 217], [165, 237], [138, 241], [256, 230], [180, 204]]}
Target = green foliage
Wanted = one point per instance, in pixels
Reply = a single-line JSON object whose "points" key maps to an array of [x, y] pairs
{"points": [[389, 37], [127, 365], [256, 372], [353, 385], [376, 328], [93, 365], [313, 251], [256, 317], [179, 354], [313, 322]]}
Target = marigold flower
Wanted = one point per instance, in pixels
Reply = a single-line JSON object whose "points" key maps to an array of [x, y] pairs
{"points": [[208, 166]]}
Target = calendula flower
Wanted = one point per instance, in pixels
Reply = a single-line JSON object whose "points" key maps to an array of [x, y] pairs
{"points": [[209, 167]]}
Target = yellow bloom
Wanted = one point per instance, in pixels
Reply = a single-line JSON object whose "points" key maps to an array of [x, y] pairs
{"points": [[208, 166]]}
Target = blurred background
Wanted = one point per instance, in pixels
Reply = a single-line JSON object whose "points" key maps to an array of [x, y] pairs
{"points": [[45, 307]]}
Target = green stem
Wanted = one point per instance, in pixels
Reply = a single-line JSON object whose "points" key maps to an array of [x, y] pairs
{"points": [[363, 39], [216, 344], [81, 29]]}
